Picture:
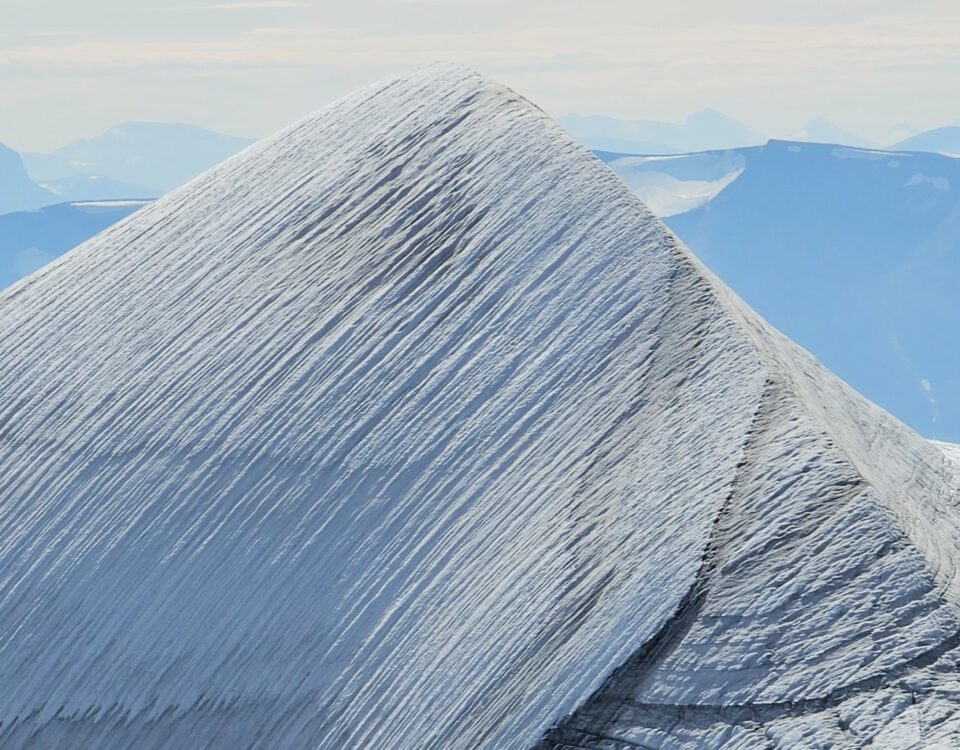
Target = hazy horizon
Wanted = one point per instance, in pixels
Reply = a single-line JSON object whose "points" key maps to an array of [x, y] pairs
{"points": [[248, 68], [895, 134]]}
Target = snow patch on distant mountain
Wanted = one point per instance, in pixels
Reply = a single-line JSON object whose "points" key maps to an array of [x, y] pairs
{"points": [[860, 153], [663, 193], [110, 203], [671, 185], [80, 188], [940, 183]]}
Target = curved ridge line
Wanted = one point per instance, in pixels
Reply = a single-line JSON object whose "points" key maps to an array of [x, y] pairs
{"points": [[676, 626]]}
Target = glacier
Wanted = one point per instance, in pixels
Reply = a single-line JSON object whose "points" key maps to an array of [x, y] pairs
{"points": [[411, 427]]}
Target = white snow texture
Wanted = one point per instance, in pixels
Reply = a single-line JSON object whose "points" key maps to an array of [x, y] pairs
{"points": [[410, 427]]}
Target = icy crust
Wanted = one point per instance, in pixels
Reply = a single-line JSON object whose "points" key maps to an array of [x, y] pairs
{"points": [[814, 623], [824, 614], [952, 452], [914, 479], [411, 428], [400, 430]]}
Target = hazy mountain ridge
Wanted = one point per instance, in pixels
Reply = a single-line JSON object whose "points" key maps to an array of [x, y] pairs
{"points": [[94, 188], [17, 191], [707, 130], [152, 158], [31, 239], [704, 130], [942, 140], [824, 131]]}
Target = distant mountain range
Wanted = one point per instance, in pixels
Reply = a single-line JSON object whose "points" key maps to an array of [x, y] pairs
{"points": [[150, 158], [853, 253], [140, 160], [710, 130], [704, 130], [707, 130], [824, 131], [941, 140], [135, 160], [30, 239], [50, 203], [17, 191]]}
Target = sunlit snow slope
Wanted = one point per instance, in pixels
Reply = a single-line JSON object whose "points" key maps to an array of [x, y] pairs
{"points": [[411, 428]]}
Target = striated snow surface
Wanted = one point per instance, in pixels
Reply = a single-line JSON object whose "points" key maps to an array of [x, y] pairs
{"points": [[411, 427]]}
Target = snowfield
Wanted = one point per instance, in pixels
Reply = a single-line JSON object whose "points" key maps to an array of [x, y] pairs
{"points": [[410, 427]]}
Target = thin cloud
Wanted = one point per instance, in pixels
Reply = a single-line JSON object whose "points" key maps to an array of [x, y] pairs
{"points": [[776, 73], [252, 5], [58, 34], [847, 52]]}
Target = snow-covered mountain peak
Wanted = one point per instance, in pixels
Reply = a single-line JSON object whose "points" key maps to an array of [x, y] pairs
{"points": [[410, 427]]}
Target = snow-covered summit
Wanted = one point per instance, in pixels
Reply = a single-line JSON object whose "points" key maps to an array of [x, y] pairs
{"points": [[410, 427]]}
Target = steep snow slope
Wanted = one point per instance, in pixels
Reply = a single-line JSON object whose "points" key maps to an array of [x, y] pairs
{"points": [[409, 426]]}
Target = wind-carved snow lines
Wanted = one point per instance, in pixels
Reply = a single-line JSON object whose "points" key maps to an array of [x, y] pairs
{"points": [[409, 426]]}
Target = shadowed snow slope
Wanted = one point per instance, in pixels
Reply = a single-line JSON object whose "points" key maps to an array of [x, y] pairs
{"points": [[411, 428]]}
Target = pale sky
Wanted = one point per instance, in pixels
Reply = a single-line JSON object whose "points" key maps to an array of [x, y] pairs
{"points": [[72, 68]]}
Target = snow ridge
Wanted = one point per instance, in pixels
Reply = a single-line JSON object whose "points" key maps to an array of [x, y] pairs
{"points": [[406, 428]]}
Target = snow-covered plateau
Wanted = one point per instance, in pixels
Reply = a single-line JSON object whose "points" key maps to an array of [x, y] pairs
{"points": [[410, 427]]}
